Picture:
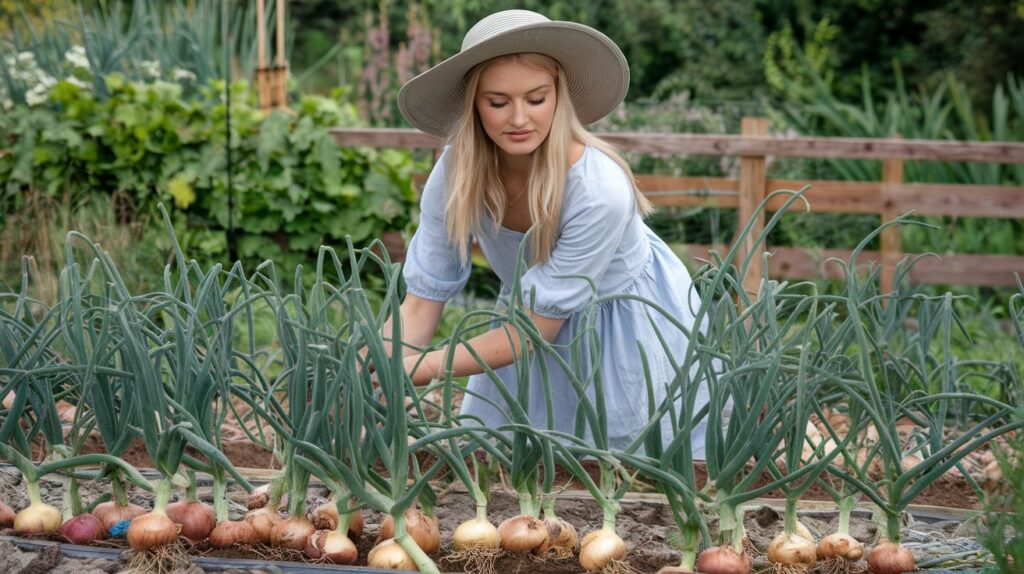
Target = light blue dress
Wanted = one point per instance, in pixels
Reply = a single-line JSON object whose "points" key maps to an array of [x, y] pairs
{"points": [[602, 237]]}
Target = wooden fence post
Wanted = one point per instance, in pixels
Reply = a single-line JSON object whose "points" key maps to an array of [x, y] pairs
{"points": [[752, 193], [890, 240]]}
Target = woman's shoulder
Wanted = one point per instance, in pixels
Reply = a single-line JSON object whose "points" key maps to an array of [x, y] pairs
{"points": [[596, 173]]}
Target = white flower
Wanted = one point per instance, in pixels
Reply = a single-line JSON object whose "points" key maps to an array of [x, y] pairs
{"points": [[26, 58], [78, 82], [6, 103], [77, 58], [37, 95], [150, 68], [183, 75]]}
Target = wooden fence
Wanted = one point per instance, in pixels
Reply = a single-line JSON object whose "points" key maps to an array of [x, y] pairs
{"points": [[887, 198]]}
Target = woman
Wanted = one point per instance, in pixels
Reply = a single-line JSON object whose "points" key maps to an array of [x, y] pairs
{"points": [[512, 105]]}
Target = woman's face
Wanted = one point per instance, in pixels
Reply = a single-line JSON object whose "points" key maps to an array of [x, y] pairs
{"points": [[516, 103]]}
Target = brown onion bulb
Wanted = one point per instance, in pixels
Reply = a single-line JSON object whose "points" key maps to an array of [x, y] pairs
{"points": [[82, 529], [37, 518], [110, 513], [332, 546], [230, 532], [325, 517], [841, 545], [389, 555], [722, 560], [791, 550], [259, 497], [196, 518], [522, 533], [426, 531], [476, 533], [263, 521], [566, 536], [890, 558], [291, 533], [6, 515], [151, 530], [600, 548]]}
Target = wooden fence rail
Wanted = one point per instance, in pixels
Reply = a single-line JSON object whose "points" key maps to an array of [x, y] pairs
{"points": [[887, 198]]}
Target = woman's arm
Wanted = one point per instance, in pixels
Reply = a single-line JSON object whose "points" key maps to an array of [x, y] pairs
{"points": [[497, 348], [420, 318]]}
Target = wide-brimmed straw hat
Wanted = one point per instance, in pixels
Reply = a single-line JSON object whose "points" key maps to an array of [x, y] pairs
{"points": [[596, 72]]}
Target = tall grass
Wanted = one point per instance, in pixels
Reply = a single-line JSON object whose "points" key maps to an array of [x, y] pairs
{"points": [[36, 233]]}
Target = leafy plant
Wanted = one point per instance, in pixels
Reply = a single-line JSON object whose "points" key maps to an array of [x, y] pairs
{"points": [[293, 188]]}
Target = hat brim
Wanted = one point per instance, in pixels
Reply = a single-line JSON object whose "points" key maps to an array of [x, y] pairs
{"points": [[596, 71]]}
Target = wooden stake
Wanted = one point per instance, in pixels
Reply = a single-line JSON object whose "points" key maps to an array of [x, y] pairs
{"points": [[891, 241], [752, 193]]}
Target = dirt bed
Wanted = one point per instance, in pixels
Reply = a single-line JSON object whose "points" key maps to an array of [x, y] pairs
{"points": [[646, 525]]}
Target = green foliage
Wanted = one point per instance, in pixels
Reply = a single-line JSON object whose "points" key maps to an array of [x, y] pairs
{"points": [[138, 39], [293, 187], [1004, 536]]}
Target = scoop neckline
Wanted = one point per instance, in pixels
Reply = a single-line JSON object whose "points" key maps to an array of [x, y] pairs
{"points": [[578, 162]]}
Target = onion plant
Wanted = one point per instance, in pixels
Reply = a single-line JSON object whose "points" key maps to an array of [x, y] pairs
{"points": [[360, 388], [907, 466], [36, 374]]}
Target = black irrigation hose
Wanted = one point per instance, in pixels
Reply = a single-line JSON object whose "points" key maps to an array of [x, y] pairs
{"points": [[208, 563]]}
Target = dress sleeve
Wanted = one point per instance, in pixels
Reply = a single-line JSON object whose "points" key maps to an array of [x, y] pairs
{"points": [[432, 268], [594, 220]]}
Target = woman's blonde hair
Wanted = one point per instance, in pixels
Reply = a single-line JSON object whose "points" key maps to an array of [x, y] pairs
{"points": [[474, 183]]}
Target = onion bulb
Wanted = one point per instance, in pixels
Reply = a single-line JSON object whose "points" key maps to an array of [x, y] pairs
{"points": [[476, 533], [889, 558], [150, 530], [196, 518], [722, 560], [792, 550], [37, 518], [332, 546], [426, 531], [522, 533], [840, 545], [82, 529], [227, 533], [260, 497], [389, 555], [561, 533], [600, 548], [110, 513], [325, 517], [6, 515], [263, 521], [291, 533]]}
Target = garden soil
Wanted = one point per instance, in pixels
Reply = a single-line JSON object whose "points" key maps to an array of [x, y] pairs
{"points": [[644, 523]]}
